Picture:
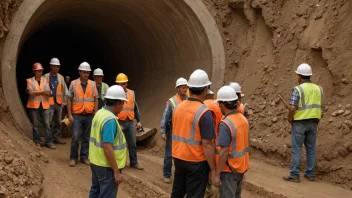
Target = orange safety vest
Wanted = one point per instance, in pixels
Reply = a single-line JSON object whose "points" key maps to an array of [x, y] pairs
{"points": [[217, 115], [34, 102], [186, 139], [60, 89], [128, 107], [238, 155], [83, 102], [174, 101], [240, 108]]}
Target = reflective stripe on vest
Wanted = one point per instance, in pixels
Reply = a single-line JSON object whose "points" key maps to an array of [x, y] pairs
{"points": [[191, 140], [128, 107], [303, 102], [234, 153], [96, 149], [75, 90], [309, 106], [173, 102]]}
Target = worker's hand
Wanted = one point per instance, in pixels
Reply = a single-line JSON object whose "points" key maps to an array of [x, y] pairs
{"points": [[70, 118], [118, 177], [139, 125], [163, 136], [216, 181]]}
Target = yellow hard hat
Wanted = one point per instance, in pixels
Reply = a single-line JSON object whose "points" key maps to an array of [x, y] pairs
{"points": [[121, 78]]}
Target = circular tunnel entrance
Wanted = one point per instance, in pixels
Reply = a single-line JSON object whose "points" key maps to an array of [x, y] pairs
{"points": [[153, 42]]}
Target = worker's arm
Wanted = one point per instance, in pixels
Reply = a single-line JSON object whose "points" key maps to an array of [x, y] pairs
{"points": [[293, 105], [137, 115], [95, 100], [65, 94], [108, 137], [31, 92], [69, 104], [165, 121], [207, 132]]}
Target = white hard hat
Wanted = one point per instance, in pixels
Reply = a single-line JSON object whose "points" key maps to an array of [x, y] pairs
{"points": [[199, 78], [180, 81], [98, 72], [209, 92], [54, 61], [116, 92], [304, 69], [236, 87], [226, 93], [84, 67]]}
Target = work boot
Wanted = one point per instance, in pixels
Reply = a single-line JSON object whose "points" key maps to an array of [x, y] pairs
{"points": [[136, 166], [57, 141], [51, 146], [85, 161], [72, 163], [291, 179], [38, 146], [312, 178], [167, 180]]}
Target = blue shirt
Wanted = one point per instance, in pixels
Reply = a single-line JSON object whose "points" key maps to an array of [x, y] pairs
{"points": [[166, 121], [109, 130], [224, 138], [53, 82]]}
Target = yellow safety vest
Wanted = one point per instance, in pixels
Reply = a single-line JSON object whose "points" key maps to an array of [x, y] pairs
{"points": [[96, 151], [104, 88], [310, 103]]}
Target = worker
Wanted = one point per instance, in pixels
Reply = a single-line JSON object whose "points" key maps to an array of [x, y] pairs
{"points": [[129, 112], [214, 107], [101, 86], [304, 115], [241, 108], [166, 124], [58, 98], [193, 133], [81, 105], [38, 105], [232, 156], [107, 147], [68, 81]]}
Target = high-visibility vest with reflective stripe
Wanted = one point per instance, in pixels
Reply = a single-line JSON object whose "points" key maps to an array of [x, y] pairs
{"points": [[104, 88], [217, 115], [128, 107], [186, 139], [238, 155], [34, 102], [83, 101], [311, 99], [96, 150], [175, 101], [60, 89]]}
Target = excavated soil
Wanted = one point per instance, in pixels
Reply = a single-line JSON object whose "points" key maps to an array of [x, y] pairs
{"points": [[264, 42]]}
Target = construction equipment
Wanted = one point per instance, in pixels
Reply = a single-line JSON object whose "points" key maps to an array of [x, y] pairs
{"points": [[304, 70], [199, 78], [37, 66], [226, 93], [236, 87], [142, 133], [180, 81], [287, 105]]}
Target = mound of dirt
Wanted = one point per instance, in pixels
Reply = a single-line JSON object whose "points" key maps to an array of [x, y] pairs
{"points": [[265, 41]]}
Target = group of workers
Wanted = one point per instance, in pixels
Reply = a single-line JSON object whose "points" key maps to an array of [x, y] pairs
{"points": [[50, 93], [207, 138]]}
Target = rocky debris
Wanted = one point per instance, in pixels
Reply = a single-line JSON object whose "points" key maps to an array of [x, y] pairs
{"points": [[345, 81], [347, 112], [345, 129], [274, 120], [348, 123]]}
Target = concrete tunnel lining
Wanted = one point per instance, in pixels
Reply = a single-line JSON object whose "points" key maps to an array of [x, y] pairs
{"points": [[170, 39]]}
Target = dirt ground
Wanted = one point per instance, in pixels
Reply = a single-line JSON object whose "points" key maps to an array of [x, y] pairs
{"points": [[264, 42]]}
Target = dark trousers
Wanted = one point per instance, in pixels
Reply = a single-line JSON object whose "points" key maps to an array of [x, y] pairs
{"points": [[103, 182], [191, 178], [231, 185]]}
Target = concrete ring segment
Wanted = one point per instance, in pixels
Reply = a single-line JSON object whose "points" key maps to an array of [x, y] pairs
{"points": [[153, 42]]}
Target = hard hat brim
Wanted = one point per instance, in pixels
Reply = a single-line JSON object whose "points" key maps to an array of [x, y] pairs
{"points": [[55, 64], [37, 69], [84, 70], [181, 85], [121, 81], [112, 98], [226, 100], [303, 74], [199, 86], [98, 74]]}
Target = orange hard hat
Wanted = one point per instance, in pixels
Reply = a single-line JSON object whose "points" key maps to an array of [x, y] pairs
{"points": [[37, 66], [121, 78]]}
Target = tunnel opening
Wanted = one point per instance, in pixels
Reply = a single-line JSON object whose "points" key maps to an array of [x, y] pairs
{"points": [[153, 42]]}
